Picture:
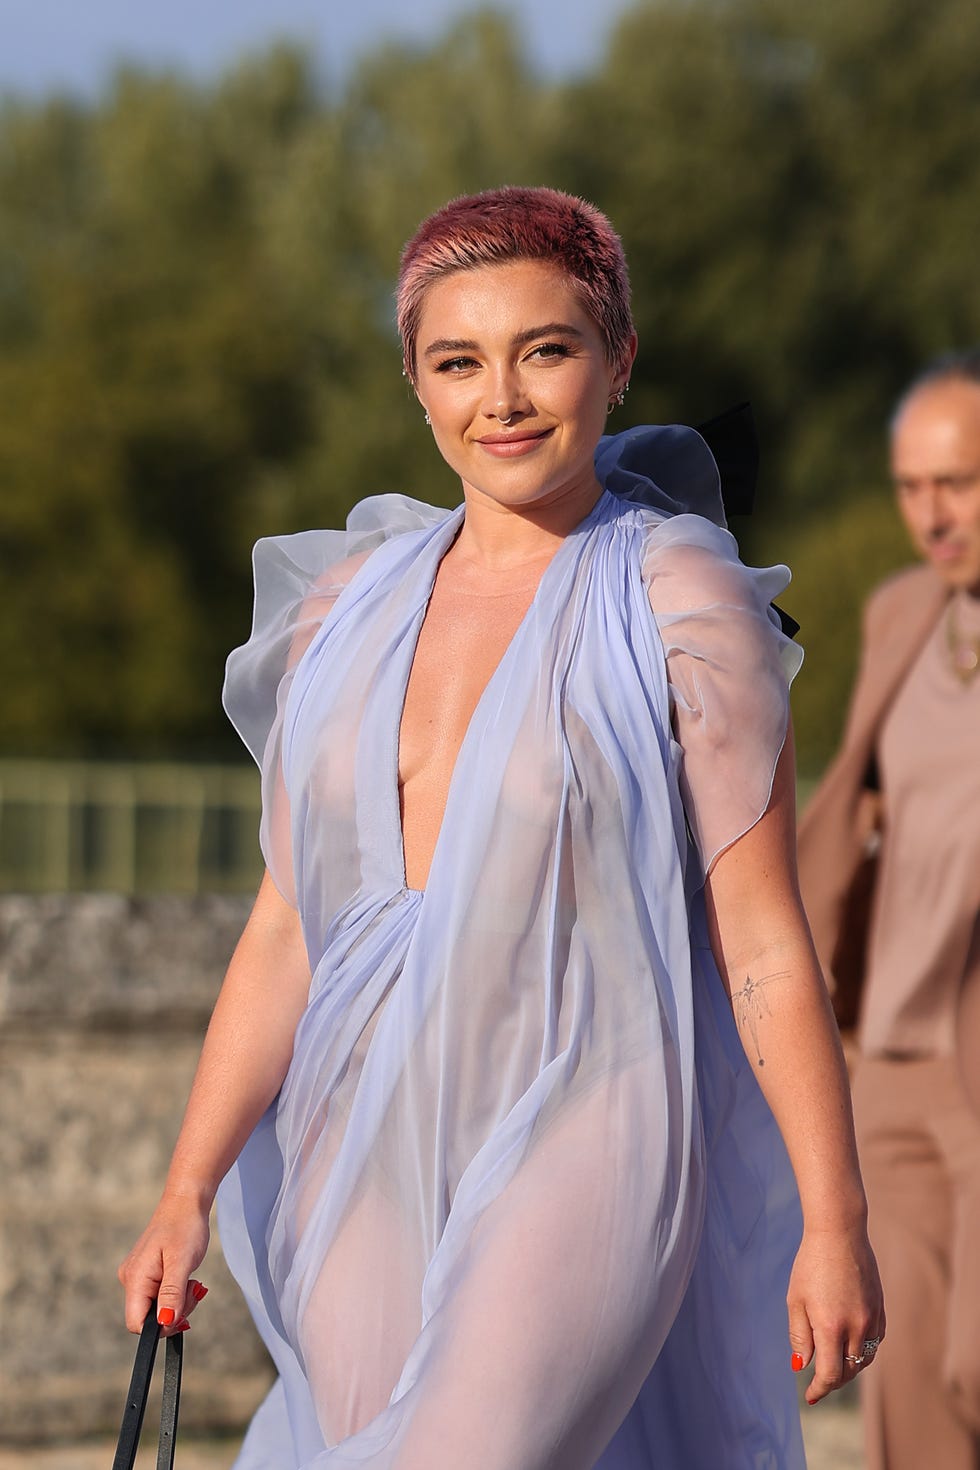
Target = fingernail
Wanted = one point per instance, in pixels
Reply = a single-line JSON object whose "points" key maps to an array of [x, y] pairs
{"points": [[796, 1362], [183, 1325], [165, 1316], [199, 1291]]}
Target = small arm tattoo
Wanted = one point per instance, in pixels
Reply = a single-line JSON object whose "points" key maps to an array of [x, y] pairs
{"points": [[750, 1004]]}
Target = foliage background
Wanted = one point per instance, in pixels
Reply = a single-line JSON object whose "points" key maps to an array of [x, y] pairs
{"points": [[196, 325]]}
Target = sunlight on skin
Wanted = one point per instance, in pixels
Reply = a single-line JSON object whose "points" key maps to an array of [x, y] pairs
{"points": [[511, 343]]}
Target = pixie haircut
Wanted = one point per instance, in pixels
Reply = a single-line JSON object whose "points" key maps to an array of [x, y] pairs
{"points": [[508, 224]]}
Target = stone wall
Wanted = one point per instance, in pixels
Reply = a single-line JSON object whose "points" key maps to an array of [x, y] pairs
{"points": [[103, 1003]]}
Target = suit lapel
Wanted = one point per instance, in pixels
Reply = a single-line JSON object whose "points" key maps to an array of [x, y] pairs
{"points": [[896, 645]]}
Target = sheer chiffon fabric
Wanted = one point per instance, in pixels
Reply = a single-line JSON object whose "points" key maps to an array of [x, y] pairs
{"points": [[520, 1204]]}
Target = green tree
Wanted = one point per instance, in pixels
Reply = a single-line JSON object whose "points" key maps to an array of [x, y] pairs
{"points": [[794, 184], [197, 339]]}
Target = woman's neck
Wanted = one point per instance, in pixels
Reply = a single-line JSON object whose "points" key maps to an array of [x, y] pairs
{"points": [[498, 537]]}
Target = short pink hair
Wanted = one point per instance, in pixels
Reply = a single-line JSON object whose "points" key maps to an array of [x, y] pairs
{"points": [[520, 224]]}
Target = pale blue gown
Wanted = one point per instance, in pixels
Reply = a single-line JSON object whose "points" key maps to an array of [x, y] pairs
{"points": [[520, 1204]]}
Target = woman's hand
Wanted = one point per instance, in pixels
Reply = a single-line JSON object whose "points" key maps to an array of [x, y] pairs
{"points": [[160, 1264], [246, 1053], [835, 1307]]}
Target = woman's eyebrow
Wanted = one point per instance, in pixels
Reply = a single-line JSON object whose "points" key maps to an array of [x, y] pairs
{"points": [[466, 344], [551, 329], [449, 344]]}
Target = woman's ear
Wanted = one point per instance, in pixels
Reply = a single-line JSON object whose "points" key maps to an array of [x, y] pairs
{"points": [[621, 379]]}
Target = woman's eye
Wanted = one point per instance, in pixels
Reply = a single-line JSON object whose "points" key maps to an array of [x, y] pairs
{"points": [[551, 349], [455, 364]]}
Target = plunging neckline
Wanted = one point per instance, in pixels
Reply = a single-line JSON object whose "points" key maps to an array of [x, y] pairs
{"points": [[393, 783]]}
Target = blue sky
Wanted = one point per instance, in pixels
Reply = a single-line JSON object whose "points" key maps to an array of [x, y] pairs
{"points": [[74, 44]]}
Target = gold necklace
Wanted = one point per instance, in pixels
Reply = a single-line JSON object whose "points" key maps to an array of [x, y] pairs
{"points": [[963, 649]]}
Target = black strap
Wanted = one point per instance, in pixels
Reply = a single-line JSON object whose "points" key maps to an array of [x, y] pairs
{"points": [[170, 1403], [139, 1388], [734, 445]]}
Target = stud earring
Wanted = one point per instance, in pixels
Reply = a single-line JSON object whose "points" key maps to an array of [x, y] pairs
{"points": [[427, 419]]}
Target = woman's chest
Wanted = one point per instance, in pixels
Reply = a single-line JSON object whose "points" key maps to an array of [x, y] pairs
{"points": [[461, 643]]}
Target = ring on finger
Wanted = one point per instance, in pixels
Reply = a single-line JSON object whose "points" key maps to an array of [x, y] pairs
{"points": [[868, 1349]]}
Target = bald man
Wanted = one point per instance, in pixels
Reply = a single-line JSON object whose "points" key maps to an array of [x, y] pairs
{"points": [[906, 787]]}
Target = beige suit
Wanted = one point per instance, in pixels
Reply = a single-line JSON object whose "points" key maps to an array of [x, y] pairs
{"points": [[917, 1116]]}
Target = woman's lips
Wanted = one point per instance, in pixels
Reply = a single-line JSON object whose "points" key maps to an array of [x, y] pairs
{"points": [[510, 446]]}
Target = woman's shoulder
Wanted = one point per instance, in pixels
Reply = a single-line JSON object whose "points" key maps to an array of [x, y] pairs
{"points": [[688, 563], [709, 469], [298, 580], [675, 481], [370, 523], [666, 470], [311, 568]]}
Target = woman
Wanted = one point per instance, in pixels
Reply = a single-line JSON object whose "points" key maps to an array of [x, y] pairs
{"points": [[507, 1192]]}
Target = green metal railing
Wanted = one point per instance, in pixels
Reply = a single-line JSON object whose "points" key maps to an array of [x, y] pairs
{"points": [[128, 828]]}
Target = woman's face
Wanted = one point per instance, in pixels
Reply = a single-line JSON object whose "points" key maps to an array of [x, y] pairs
{"points": [[513, 375]]}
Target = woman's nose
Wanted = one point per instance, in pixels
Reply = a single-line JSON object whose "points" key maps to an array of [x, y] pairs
{"points": [[507, 395]]}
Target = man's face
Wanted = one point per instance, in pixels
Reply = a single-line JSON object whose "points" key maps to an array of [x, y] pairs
{"points": [[935, 460]]}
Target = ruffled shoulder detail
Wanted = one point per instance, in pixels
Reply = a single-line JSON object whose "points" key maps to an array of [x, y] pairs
{"points": [[666, 467], [298, 579], [729, 667]]}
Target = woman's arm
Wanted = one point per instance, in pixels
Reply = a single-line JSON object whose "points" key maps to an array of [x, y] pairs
{"points": [[246, 1053], [761, 942]]}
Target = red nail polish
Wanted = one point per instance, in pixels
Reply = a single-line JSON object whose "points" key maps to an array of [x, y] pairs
{"points": [[796, 1362], [165, 1316], [199, 1291], [183, 1325]]}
